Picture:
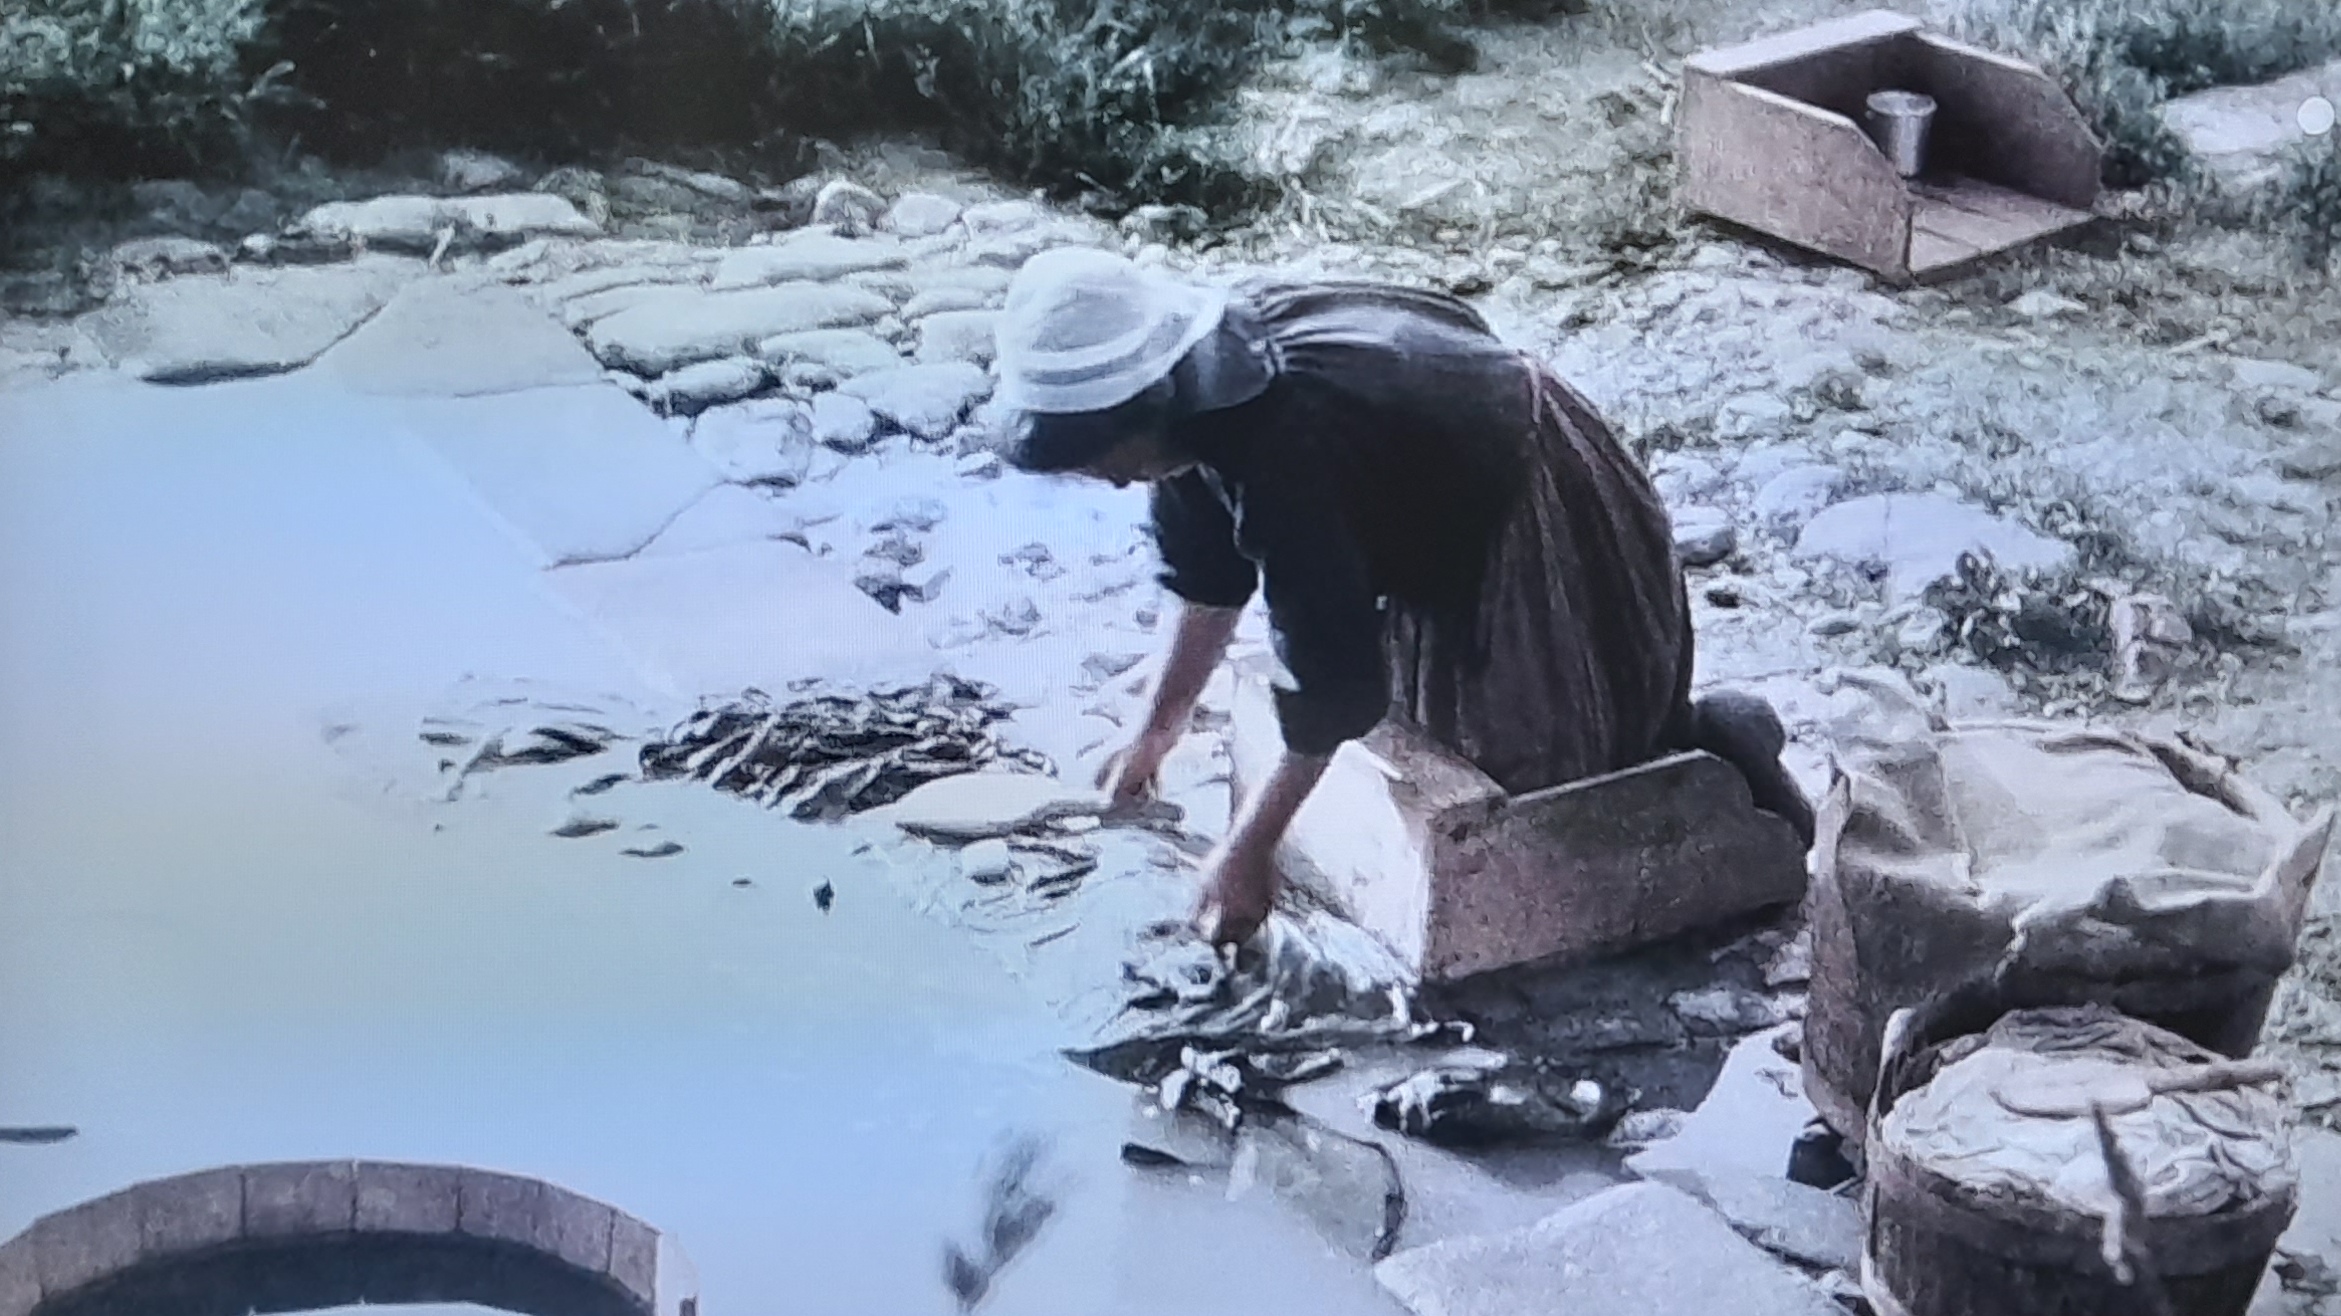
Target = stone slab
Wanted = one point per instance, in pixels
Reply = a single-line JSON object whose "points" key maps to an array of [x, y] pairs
{"points": [[848, 352], [678, 328], [86, 1242], [752, 615], [726, 515], [407, 1199], [578, 474], [500, 1207], [634, 1258], [1746, 1126], [948, 336], [191, 1213], [247, 323], [1917, 539], [577, 1229], [413, 223], [300, 1200], [1806, 1225], [927, 400], [817, 257], [2245, 135], [20, 1285], [455, 338], [1636, 1250]]}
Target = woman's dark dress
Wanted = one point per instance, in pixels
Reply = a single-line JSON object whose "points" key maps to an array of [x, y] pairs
{"points": [[1442, 529]]}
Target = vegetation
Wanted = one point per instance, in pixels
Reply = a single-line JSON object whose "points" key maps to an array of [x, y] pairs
{"points": [[133, 83], [2121, 59], [1116, 99]]}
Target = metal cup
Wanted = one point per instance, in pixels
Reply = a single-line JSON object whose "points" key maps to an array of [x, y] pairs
{"points": [[1899, 121]]}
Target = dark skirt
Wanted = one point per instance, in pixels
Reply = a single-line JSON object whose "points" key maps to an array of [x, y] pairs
{"points": [[1576, 660]]}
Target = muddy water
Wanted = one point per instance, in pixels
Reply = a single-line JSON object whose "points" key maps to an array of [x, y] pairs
{"points": [[224, 937]]}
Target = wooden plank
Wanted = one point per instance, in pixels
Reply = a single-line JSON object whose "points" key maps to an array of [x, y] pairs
{"points": [[1989, 219], [1788, 47], [1792, 170], [2007, 122]]}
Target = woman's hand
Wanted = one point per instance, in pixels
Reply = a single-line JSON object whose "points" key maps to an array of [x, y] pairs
{"points": [[1128, 777], [1239, 890]]}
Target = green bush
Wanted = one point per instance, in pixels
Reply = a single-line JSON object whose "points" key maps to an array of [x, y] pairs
{"points": [[125, 86], [2121, 59], [1117, 98]]}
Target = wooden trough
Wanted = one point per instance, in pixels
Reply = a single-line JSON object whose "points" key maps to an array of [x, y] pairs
{"points": [[1457, 877], [1771, 138]]}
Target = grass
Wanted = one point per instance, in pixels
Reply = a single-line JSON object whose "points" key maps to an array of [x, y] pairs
{"points": [[2122, 59]]}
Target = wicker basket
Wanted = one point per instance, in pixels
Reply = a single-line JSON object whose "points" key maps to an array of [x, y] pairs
{"points": [[1952, 1233]]}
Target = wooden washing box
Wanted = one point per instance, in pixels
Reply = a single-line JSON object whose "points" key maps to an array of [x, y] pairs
{"points": [[1456, 877], [1771, 137]]}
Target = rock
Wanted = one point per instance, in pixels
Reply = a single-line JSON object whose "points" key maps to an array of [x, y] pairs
{"points": [[2045, 304], [1682, 477], [803, 377], [1704, 536], [1915, 540], [811, 256], [927, 400], [695, 388], [979, 806], [1748, 1123], [443, 338], [1972, 693], [477, 171], [1641, 1128], [415, 223], [1724, 1010], [582, 188], [155, 258], [2274, 376], [582, 313], [767, 442], [917, 515], [2244, 135], [843, 424], [848, 205], [843, 352], [1830, 625], [949, 336], [988, 861], [937, 301], [1753, 415], [1793, 497], [919, 215], [2315, 459], [1805, 1225], [690, 182], [1104, 667], [193, 331], [1922, 634], [999, 217], [1019, 619], [1792, 964], [981, 466], [684, 327], [1633, 1250], [791, 204], [1166, 224]]}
